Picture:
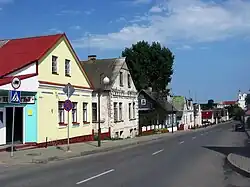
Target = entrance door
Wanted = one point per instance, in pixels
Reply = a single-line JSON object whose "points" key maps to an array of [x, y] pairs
{"points": [[2, 127], [18, 124]]}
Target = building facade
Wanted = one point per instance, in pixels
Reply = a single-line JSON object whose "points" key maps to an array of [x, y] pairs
{"points": [[47, 65], [118, 99], [155, 112]]}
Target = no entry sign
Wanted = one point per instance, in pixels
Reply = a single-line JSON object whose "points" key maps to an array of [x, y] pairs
{"points": [[68, 105]]}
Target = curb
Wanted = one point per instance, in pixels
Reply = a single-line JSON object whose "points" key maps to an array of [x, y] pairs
{"points": [[87, 153], [248, 134], [236, 168]]}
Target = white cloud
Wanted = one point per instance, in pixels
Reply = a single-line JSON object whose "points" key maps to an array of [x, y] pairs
{"points": [[75, 27], [182, 21], [67, 12], [1, 9], [88, 12], [142, 1], [156, 9], [184, 47], [54, 30]]}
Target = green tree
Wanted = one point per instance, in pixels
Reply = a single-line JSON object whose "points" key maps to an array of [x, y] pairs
{"points": [[235, 111], [150, 65]]}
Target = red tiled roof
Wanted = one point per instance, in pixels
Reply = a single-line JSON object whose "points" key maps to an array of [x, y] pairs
{"points": [[7, 80], [229, 102], [18, 53]]}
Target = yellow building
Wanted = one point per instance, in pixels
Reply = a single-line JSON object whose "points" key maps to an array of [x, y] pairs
{"points": [[58, 67]]}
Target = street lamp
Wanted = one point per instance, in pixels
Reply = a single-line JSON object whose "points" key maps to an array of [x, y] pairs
{"points": [[105, 81]]}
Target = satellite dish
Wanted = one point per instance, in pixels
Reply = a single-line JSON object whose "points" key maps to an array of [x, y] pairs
{"points": [[16, 83]]}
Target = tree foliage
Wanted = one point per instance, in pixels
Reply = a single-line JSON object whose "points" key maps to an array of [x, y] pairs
{"points": [[235, 111], [150, 65]]}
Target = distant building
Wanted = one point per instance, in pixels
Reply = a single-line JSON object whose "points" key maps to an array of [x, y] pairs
{"points": [[242, 100]]}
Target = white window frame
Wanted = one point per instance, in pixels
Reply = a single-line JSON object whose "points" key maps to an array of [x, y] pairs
{"points": [[129, 80], [120, 111], [67, 67], [85, 112], [143, 102], [74, 112], [54, 64], [133, 110], [115, 111], [129, 110], [61, 113]]}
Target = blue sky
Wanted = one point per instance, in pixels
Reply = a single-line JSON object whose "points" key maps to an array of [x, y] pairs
{"points": [[210, 39]]}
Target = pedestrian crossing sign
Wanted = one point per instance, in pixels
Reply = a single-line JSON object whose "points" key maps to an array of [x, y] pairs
{"points": [[15, 96]]}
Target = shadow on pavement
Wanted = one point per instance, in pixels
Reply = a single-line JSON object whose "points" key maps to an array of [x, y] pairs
{"points": [[243, 151]]}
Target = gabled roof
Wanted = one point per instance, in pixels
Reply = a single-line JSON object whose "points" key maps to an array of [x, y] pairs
{"points": [[18, 53], [161, 101], [103, 67]]}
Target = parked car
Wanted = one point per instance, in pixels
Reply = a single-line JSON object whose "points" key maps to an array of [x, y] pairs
{"points": [[239, 127]]}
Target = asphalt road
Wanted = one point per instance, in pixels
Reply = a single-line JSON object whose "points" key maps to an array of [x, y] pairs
{"points": [[194, 159]]}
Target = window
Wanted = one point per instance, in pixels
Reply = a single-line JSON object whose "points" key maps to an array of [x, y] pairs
{"points": [[85, 113], [67, 67], [74, 112], [133, 110], [115, 112], [143, 102], [54, 64], [129, 81], [191, 119], [121, 79], [94, 111], [129, 110], [61, 112], [120, 111]]}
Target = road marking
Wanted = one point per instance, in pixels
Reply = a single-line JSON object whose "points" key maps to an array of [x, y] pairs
{"points": [[96, 176], [157, 152], [201, 134], [193, 137], [181, 142]]}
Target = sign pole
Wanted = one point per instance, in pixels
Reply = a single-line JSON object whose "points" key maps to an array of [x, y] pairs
{"points": [[68, 148], [12, 133]]}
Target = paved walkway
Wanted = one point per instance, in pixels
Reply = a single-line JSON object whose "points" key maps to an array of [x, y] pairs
{"points": [[241, 163]]}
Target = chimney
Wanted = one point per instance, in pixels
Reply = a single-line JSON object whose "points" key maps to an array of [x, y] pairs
{"points": [[92, 57]]}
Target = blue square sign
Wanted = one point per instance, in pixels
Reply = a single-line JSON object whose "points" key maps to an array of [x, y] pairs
{"points": [[15, 97]]}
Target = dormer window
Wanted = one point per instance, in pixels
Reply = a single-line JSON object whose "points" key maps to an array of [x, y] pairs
{"points": [[54, 65]]}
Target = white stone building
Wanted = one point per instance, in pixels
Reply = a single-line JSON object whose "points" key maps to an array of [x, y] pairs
{"points": [[185, 114], [242, 100], [119, 103]]}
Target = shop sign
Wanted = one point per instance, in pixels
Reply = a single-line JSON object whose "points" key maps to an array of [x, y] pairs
{"points": [[24, 99]]}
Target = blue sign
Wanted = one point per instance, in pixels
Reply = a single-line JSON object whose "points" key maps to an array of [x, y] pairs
{"points": [[68, 105], [15, 97]]}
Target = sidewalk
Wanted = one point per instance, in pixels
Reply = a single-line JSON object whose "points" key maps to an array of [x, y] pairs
{"points": [[52, 153], [240, 163]]}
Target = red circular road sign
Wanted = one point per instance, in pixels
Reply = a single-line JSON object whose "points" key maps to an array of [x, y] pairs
{"points": [[68, 105]]}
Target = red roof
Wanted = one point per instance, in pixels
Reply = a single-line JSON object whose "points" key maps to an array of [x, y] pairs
{"points": [[229, 102], [18, 53], [7, 80]]}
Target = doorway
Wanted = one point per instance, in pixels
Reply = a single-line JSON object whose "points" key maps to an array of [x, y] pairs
{"points": [[18, 124], [2, 127]]}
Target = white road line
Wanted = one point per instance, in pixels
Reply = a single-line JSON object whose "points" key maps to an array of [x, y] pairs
{"points": [[201, 134], [193, 137], [99, 175], [157, 152], [181, 142]]}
